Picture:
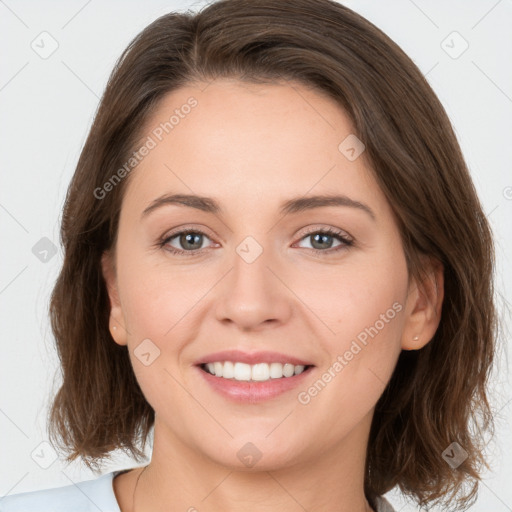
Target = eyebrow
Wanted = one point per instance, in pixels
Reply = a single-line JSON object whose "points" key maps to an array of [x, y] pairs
{"points": [[295, 205]]}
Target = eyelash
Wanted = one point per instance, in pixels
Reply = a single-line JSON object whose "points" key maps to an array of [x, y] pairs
{"points": [[346, 242]]}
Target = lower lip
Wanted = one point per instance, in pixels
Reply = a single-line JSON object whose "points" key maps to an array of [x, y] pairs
{"points": [[253, 391]]}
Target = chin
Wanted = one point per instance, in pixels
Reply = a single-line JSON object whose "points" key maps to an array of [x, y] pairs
{"points": [[254, 453]]}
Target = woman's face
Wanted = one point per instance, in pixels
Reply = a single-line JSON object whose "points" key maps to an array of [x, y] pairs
{"points": [[252, 275]]}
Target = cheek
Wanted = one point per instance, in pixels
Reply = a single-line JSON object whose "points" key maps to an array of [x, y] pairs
{"points": [[161, 308], [360, 358], [372, 316], [158, 309], [352, 299], [157, 298], [365, 309]]}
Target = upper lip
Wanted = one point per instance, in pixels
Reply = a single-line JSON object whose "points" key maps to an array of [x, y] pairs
{"points": [[252, 358]]}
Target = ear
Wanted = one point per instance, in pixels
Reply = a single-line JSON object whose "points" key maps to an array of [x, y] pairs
{"points": [[116, 322], [423, 306]]}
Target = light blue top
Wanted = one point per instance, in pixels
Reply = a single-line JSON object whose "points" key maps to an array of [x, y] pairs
{"points": [[89, 496]]}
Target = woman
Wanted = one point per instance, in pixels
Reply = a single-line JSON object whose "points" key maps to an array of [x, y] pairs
{"points": [[276, 375]]}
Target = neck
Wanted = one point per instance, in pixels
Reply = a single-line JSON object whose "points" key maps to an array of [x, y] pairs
{"points": [[181, 478]]}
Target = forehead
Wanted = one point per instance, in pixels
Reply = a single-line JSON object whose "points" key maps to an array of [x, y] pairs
{"points": [[248, 142]]}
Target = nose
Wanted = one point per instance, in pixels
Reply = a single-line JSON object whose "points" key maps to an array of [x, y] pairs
{"points": [[253, 295]]}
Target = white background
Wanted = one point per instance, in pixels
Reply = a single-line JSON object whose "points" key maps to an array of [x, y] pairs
{"points": [[47, 105]]}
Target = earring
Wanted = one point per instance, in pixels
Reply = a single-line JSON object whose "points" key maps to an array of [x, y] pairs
{"points": [[114, 327], [416, 338]]}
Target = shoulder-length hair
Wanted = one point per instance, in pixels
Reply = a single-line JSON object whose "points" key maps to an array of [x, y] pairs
{"points": [[436, 394]]}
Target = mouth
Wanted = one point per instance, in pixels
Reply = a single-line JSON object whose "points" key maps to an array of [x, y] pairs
{"points": [[259, 372], [244, 383], [252, 377]]}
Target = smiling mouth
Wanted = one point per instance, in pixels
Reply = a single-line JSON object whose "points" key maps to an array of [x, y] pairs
{"points": [[260, 372]]}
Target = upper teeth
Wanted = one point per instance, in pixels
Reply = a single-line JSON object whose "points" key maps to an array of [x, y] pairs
{"points": [[260, 371]]}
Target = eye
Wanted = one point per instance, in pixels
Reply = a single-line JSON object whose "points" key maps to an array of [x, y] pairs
{"points": [[322, 240], [190, 242]]}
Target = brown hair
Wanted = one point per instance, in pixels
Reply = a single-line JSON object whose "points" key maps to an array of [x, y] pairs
{"points": [[436, 394]]}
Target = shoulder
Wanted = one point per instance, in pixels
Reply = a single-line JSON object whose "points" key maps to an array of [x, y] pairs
{"points": [[383, 505], [88, 496]]}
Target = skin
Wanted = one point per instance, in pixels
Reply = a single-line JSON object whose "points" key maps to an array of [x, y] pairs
{"points": [[250, 147]]}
